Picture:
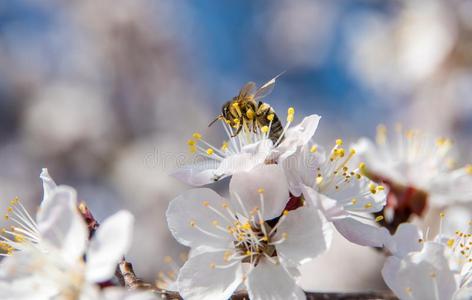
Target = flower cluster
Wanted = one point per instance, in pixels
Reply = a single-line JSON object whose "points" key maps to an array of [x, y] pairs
{"points": [[286, 195], [51, 257]]}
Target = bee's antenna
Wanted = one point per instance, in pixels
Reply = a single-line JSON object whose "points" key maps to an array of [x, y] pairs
{"points": [[216, 119]]}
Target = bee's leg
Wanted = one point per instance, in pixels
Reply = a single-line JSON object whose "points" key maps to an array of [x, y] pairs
{"points": [[239, 128]]}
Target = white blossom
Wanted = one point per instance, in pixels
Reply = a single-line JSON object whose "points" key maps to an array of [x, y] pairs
{"points": [[416, 160], [57, 267], [233, 242], [340, 190]]}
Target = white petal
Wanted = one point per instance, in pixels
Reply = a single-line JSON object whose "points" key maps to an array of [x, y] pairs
{"points": [[424, 274], [198, 280], [109, 244], [451, 187], [197, 174], [61, 224], [272, 281], [301, 168], [405, 240], [190, 207], [361, 233], [26, 289], [247, 185], [308, 234], [48, 185], [298, 136], [464, 293]]}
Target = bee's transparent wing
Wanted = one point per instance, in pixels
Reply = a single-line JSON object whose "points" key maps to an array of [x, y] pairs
{"points": [[247, 89], [267, 88]]}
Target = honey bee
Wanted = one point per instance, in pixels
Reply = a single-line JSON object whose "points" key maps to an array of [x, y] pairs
{"points": [[246, 111]]}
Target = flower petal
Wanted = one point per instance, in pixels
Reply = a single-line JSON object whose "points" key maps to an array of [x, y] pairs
{"points": [[421, 275], [248, 186], [308, 234], [208, 276], [197, 174], [298, 136], [61, 224], [272, 281], [195, 210], [361, 233], [405, 240], [48, 185], [109, 244]]}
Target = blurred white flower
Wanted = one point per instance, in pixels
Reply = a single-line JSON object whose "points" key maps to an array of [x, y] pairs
{"points": [[59, 268], [341, 191], [413, 159], [438, 269], [244, 151], [233, 242]]}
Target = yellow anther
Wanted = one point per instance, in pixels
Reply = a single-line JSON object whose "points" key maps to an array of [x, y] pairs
{"points": [[285, 212], [290, 114], [193, 223], [265, 129], [225, 205], [408, 290], [246, 226], [354, 201], [284, 235], [381, 134], [197, 136], [340, 152], [192, 149], [205, 203], [319, 179], [339, 142], [224, 147], [442, 215], [191, 142], [380, 188], [6, 217], [379, 218], [270, 117], [362, 166], [410, 134], [168, 259], [368, 205], [215, 222], [450, 243], [248, 253], [352, 151], [261, 190], [210, 151], [19, 238], [468, 169], [264, 238], [212, 265]]}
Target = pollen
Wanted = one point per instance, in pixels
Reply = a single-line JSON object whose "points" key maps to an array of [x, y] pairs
{"points": [[290, 114], [210, 151], [450, 243], [224, 147], [250, 114], [270, 117], [197, 136], [368, 205], [339, 142], [261, 190], [468, 169], [319, 179], [313, 149], [193, 223], [215, 222], [191, 142], [285, 212], [265, 129], [354, 201], [379, 218], [212, 265], [442, 215]]}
